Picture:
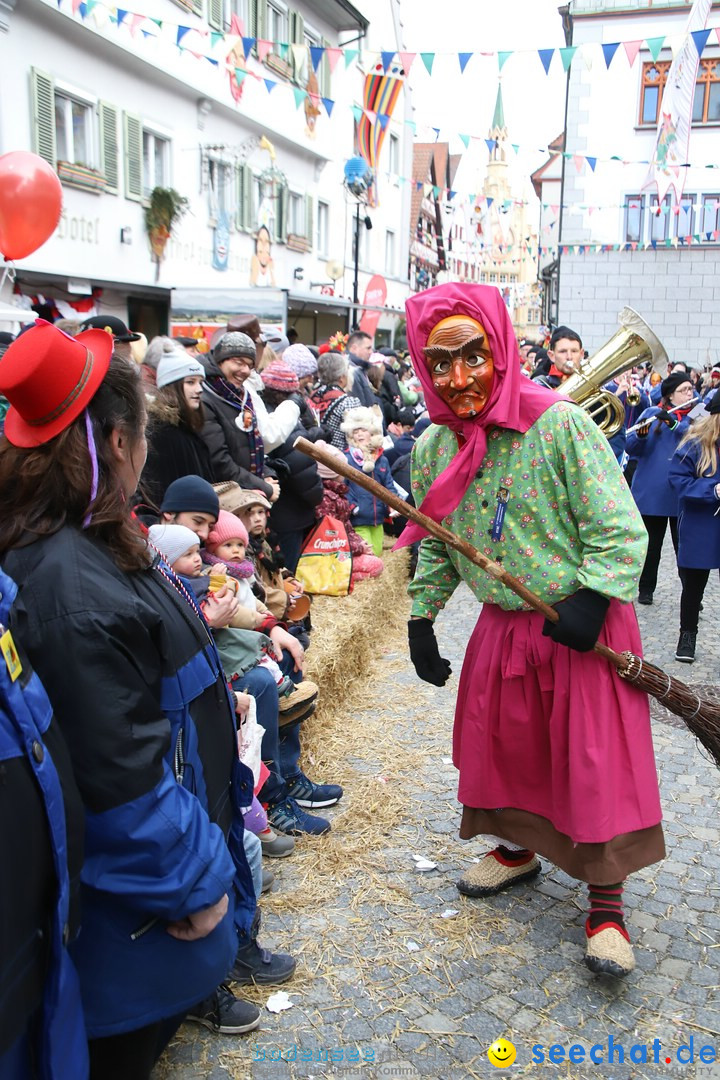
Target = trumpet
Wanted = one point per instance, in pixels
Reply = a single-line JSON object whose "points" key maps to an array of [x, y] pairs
{"points": [[634, 343]]}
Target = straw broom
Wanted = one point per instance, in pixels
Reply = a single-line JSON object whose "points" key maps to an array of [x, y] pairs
{"points": [[702, 717]]}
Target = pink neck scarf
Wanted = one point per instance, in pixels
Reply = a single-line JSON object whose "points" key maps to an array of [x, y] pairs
{"points": [[515, 402]]}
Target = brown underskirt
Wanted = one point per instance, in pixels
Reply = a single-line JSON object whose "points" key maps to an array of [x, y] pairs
{"points": [[596, 864]]}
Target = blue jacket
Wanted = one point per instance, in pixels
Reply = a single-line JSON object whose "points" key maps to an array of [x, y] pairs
{"points": [[650, 487], [139, 693], [41, 847], [402, 445], [698, 516], [371, 511]]}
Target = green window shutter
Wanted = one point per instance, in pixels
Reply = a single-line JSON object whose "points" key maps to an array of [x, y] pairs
{"points": [[42, 92], [133, 157], [215, 14], [309, 207], [297, 37], [196, 6], [324, 71], [256, 19], [297, 28], [283, 203], [246, 218], [109, 146]]}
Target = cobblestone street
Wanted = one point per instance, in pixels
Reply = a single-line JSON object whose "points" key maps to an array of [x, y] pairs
{"points": [[400, 976]]}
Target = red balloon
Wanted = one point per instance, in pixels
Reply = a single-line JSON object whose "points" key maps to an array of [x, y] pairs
{"points": [[30, 203]]}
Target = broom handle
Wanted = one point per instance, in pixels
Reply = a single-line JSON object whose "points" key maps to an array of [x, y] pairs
{"points": [[493, 569]]}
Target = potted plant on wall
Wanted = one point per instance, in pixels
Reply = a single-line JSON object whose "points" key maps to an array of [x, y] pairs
{"points": [[165, 207]]}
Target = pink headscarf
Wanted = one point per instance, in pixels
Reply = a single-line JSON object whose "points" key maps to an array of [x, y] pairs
{"points": [[515, 402]]}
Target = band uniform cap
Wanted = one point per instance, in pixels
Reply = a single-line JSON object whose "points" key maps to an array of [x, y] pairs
{"points": [[48, 378], [111, 325]]}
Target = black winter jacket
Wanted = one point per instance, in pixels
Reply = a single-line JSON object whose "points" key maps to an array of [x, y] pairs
{"points": [[174, 450], [300, 486], [228, 445]]}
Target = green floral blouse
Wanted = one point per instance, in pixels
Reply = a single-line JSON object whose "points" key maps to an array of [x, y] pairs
{"points": [[569, 518]]}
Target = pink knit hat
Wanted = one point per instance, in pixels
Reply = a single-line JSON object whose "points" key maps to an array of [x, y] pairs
{"points": [[279, 376], [228, 527]]}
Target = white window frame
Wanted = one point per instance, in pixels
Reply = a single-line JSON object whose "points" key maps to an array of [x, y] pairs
{"points": [[281, 10], [239, 8], [221, 195], [322, 229], [69, 95], [390, 252], [394, 154], [156, 137], [296, 222]]}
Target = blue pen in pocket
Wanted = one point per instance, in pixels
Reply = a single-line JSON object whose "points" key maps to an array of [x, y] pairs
{"points": [[497, 526]]}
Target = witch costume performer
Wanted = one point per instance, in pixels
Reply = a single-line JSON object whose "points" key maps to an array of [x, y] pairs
{"points": [[554, 750]]}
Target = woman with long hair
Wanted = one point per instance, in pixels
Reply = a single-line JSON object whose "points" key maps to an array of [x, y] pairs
{"points": [[695, 478], [139, 694], [175, 423], [652, 447]]}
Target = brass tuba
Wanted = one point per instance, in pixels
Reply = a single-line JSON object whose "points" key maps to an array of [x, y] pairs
{"points": [[634, 343]]}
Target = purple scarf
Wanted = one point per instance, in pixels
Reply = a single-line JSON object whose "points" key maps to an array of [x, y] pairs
{"points": [[243, 402]]}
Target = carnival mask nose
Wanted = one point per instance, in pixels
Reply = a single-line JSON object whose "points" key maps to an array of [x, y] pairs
{"points": [[460, 363]]}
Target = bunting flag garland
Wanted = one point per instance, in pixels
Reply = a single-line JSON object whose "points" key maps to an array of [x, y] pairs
{"points": [[104, 13]]}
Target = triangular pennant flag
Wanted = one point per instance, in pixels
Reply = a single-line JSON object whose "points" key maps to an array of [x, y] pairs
{"points": [[502, 57], [121, 13], [491, 144], [210, 60], [248, 44], [428, 59], [382, 119], [516, 147], [240, 75], [632, 48], [357, 113], [264, 48], [270, 84], [372, 116], [283, 50], [451, 194], [655, 46], [465, 140], [489, 202], [181, 32], [592, 162], [700, 38], [463, 58], [299, 95], [215, 37], [566, 55], [75, 6], [328, 103], [546, 56], [299, 55], [387, 59], [316, 55], [412, 125], [351, 56], [609, 51], [437, 133], [333, 55], [406, 59], [436, 192], [579, 161]]}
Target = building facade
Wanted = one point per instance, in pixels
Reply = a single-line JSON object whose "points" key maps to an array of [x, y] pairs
{"points": [[248, 110], [660, 256]]}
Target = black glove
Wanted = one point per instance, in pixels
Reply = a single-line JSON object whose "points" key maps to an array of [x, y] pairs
{"points": [[581, 619], [667, 418], [427, 661]]}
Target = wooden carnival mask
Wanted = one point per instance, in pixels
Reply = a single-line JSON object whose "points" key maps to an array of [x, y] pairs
{"points": [[460, 363]]}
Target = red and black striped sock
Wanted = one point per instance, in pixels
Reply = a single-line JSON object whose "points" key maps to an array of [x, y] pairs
{"points": [[606, 905]]}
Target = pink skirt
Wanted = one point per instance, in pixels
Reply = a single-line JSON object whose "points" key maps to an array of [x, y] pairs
{"points": [[552, 744]]}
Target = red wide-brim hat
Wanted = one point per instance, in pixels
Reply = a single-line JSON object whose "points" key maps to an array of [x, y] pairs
{"points": [[48, 378]]}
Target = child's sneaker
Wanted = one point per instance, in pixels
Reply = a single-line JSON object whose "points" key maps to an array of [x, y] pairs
{"points": [[286, 687], [287, 817], [276, 845]]}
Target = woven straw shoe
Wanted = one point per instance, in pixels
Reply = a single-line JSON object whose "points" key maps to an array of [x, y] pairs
{"points": [[609, 951], [494, 873]]}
